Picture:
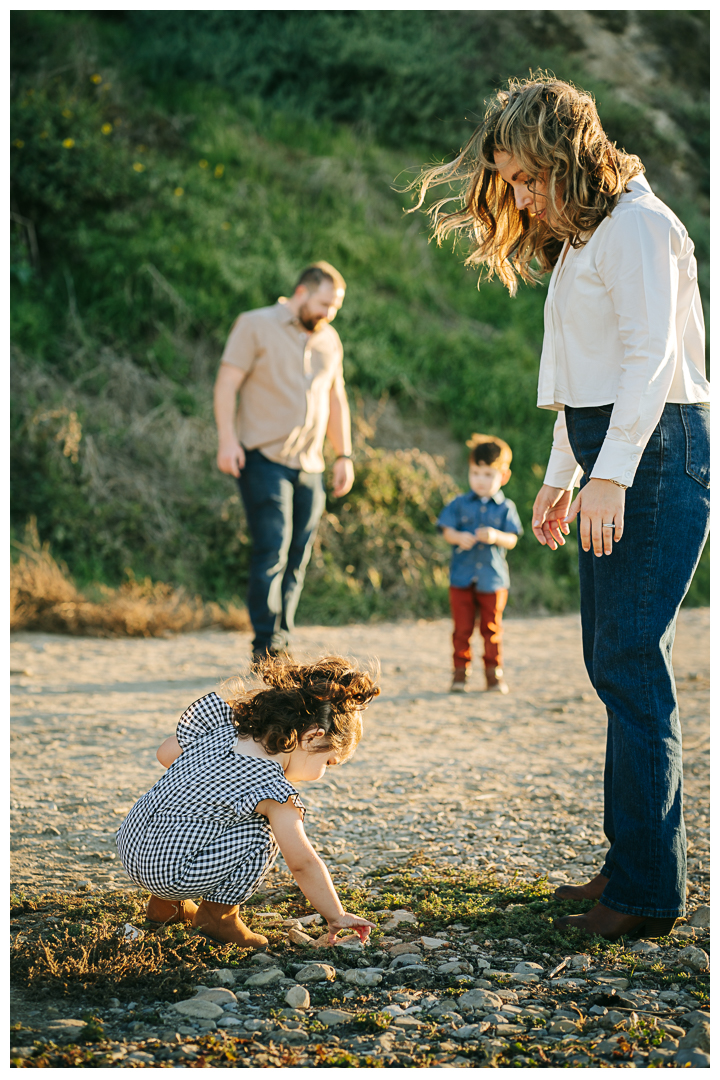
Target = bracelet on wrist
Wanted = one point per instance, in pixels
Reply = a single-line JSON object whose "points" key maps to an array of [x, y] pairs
{"points": [[615, 482], [348, 457]]}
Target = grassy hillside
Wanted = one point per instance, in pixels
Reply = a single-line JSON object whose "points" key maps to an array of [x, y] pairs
{"points": [[169, 172]]}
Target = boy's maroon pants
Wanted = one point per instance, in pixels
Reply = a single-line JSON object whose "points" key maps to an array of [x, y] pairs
{"points": [[466, 606]]}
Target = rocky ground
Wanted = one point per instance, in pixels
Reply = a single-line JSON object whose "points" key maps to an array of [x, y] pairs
{"points": [[453, 809]]}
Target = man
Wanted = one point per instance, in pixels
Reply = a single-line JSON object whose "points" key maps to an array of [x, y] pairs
{"points": [[285, 361]]}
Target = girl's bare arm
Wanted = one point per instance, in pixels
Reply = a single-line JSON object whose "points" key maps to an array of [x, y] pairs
{"points": [[169, 751], [308, 869]]}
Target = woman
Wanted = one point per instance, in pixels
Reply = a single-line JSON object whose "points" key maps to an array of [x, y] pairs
{"points": [[623, 365]]}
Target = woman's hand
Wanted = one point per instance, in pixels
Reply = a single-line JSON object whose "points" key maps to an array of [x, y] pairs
{"points": [[343, 922], [549, 516], [599, 503]]}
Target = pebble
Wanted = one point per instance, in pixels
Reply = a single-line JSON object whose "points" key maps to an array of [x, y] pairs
{"points": [[698, 1037], [265, 978], [701, 917], [220, 996], [198, 1008], [398, 917], [314, 973], [362, 977], [331, 1017], [298, 997], [694, 958], [479, 999], [299, 938], [432, 943]]}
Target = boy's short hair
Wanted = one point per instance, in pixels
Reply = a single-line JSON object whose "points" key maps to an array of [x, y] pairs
{"points": [[489, 450]]}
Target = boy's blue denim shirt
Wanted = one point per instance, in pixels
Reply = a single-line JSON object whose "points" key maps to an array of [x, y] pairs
{"points": [[484, 566]]}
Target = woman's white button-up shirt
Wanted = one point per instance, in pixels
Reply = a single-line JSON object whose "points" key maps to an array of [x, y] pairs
{"points": [[623, 327]]}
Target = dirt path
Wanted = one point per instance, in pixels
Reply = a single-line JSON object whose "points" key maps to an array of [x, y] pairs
{"points": [[477, 779]]}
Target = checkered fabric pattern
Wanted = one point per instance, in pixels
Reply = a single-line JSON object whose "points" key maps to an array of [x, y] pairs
{"points": [[196, 833]]}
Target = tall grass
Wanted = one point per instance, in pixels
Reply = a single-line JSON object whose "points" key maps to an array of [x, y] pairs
{"points": [[161, 185]]}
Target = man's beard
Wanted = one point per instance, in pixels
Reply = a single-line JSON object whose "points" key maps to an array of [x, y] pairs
{"points": [[310, 322]]}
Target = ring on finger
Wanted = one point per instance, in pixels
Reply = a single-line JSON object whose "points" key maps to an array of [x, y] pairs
{"points": [[609, 525]]}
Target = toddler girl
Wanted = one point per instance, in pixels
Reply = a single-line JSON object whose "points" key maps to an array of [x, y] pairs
{"points": [[212, 825]]}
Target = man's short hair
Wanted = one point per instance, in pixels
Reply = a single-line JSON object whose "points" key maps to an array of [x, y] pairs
{"points": [[313, 276], [489, 450]]}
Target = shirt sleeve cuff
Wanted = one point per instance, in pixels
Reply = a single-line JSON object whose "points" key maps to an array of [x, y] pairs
{"points": [[563, 470], [617, 461]]}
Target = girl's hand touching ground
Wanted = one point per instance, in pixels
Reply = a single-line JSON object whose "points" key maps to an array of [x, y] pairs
{"points": [[348, 921]]}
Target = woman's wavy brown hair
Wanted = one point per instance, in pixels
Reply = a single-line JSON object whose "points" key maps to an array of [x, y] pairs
{"points": [[553, 131], [329, 694]]}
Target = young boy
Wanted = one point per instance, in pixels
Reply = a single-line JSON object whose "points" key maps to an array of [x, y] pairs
{"points": [[482, 525]]}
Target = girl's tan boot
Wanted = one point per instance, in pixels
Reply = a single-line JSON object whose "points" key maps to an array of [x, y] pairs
{"points": [[170, 911], [222, 923]]}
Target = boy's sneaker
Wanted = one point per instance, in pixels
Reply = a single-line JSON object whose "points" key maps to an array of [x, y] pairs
{"points": [[495, 681], [459, 683]]}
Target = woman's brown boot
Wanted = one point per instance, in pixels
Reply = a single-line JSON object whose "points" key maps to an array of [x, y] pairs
{"points": [[222, 923], [170, 911], [591, 890]]}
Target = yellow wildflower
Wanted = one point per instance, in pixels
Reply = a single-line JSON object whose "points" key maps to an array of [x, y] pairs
{"points": [[68, 143], [225, 225], [106, 129], [96, 79], [203, 163], [139, 167], [19, 143], [219, 170], [67, 113], [179, 191]]}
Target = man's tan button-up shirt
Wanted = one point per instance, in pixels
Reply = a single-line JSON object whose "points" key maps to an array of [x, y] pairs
{"points": [[285, 393]]}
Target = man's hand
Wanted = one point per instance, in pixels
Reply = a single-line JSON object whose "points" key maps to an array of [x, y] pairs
{"points": [[599, 503], [486, 535], [231, 458], [347, 921], [549, 514], [343, 476]]}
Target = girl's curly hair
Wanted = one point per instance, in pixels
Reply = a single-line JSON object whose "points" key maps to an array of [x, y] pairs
{"points": [[552, 129], [329, 694]]}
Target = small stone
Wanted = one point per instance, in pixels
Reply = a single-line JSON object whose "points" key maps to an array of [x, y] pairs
{"points": [[697, 1038], [694, 958], [139, 1055], [198, 1008], [701, 917], [315, 973], [644, 947], [299, 938], [263, 959], [265, 978], [562, 1027], [298, 997], [348, 858], [67, 1028], [50, 830], [684, 933], [528, 967], [331, 1017], [408, 1021], [230, 1022], [695, 1017], [403, 948], [696, 1059], [431, 943], [608, 979], [525, 977], [362, 977], [404, 960], [661, 1053], [221, 977], [269, 918], [456, 967], [311, 920], [471, 1031], [290, 1038], [479, 999], [219, 995], [397, 917], [580, 962]]}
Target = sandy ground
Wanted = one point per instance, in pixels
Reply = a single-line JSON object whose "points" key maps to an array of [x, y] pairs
{"points": [[511, 781]]}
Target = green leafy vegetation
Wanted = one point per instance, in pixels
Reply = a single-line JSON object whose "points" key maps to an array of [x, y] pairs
{"points": [[168, 173]]}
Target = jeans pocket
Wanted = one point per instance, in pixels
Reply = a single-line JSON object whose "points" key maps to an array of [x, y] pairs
{"points": [[696, 421]]}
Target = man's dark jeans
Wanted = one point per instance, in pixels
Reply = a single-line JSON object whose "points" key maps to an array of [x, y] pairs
{"points": [[283, 508], [629, 605]]}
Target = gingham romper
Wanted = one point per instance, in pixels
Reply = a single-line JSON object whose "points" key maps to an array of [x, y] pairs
{"points": [[196, 833]]}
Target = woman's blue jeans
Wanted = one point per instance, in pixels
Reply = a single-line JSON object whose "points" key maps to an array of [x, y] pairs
{"points": [[283, 508], [629, 605]]}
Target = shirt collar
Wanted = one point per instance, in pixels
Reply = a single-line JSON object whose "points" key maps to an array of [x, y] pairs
{"points": [[498, 497], [639, 182]]}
